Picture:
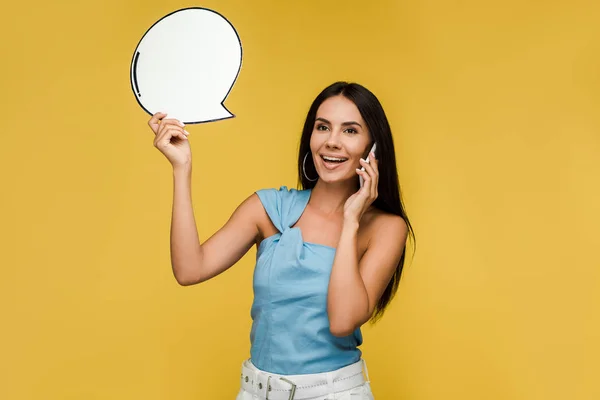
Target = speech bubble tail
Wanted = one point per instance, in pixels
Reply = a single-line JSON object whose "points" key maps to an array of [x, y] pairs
{"points": [[218, 112]]}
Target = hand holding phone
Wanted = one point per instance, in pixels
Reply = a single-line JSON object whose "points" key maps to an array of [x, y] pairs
{"points": [[360, 178]]}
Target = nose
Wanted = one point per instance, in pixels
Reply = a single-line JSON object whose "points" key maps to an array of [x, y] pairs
{"points": [[333, 141]]}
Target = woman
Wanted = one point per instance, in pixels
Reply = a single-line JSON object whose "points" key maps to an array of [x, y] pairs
{"points": [[329, 256]]}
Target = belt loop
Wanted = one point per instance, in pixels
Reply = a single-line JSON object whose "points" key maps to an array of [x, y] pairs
{"points": [[366, 370]]}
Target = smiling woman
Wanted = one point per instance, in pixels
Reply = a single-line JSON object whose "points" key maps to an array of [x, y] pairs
{"points": [[329, 256], [338, 138], [345, 120]]}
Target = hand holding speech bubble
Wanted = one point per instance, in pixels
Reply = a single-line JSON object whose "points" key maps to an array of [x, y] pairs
{"points": [[186, 64]]}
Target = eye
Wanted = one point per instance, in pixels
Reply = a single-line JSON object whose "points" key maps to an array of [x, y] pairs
{"points": [[322, 127], [351, 130]]}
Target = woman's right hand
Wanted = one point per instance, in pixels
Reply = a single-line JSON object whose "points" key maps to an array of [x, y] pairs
{"points": [[171, 139]]}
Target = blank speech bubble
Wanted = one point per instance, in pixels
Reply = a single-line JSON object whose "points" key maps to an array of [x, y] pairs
{"points": [[186, 64]]}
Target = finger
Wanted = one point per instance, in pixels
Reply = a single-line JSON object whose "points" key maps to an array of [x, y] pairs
{"points": [[176, 131], [366, 188], [373, 177], [155, 119], [173, 121], [368, 167], [180, 134], [168, 124], [372, 166], [168, 133], [171, 124], [162, 128], [374, 163]]}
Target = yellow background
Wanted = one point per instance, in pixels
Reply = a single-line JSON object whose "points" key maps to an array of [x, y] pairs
{"points": [[495, 110]]}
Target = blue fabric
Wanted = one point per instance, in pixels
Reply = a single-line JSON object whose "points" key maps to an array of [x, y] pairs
{"points": [[290, 329]]}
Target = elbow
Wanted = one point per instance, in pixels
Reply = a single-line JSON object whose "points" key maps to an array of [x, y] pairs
{"points": [[186, 279], [341, 328], [186, 282], [186, 272], [344, 321], [341, 332]]}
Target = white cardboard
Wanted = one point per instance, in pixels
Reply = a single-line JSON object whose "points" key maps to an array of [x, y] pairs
{"points": [[186, 64]]}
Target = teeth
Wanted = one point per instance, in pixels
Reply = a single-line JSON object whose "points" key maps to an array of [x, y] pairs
{"points": [[334, 159]]}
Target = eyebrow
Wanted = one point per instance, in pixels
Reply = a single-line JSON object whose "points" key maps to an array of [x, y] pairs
{"points": [[343, 123]]}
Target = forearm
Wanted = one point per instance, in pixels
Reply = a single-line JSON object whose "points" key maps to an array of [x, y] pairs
{"points": [[186, 252], [347, 298]]}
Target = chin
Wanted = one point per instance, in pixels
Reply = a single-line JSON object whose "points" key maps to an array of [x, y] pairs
{"points": [[333, 178]]}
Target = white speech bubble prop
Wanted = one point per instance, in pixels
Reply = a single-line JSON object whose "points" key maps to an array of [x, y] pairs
{"points": [[186, 64]]}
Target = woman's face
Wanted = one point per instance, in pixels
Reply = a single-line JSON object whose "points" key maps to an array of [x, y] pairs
{"points": [[339, 139]]}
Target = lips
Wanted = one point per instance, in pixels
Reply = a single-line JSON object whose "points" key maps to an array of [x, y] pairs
{"points": [[331, 162]]}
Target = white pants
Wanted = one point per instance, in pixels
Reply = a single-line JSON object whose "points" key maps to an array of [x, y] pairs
{"points": [[347, 383]]}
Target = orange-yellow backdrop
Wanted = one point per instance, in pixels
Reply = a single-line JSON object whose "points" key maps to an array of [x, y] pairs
{"points": [[495, 111]]}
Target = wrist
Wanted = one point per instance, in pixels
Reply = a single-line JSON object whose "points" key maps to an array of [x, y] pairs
{"points": [[182, 174], [350, 224], [184, 168]]}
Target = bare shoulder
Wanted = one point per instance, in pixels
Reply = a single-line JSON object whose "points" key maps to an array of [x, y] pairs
{"points": [[253, 208], [384, 226], [251, 203], [250, 208], [250, 212]]}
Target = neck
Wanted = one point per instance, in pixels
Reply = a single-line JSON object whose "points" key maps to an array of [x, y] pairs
{"points": [[329, 198]]}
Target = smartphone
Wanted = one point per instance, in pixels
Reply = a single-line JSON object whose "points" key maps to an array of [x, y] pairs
{"points": [[360, 178]]}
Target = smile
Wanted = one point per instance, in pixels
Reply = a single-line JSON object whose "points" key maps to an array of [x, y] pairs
{"points": [[333, 162]]}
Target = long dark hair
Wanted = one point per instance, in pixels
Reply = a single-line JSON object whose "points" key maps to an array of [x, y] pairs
{"points": [[390, 197]]}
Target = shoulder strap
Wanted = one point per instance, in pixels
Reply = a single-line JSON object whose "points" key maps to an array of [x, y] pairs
{"points": [[284, 206]]}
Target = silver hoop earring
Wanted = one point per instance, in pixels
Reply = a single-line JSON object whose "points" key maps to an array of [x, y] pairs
{"points": [[304, 169]]}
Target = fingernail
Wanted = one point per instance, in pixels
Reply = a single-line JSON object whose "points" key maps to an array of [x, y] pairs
{"points": [[186, 132]]}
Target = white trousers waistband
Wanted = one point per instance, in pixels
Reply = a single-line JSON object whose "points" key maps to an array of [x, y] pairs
{"points": [[297, 387]]}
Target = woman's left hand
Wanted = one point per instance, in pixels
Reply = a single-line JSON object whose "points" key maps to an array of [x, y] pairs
{"points": [[359, 202]]}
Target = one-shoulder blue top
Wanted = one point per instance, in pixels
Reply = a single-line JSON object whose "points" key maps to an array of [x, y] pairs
{"points": [[290, 328]]}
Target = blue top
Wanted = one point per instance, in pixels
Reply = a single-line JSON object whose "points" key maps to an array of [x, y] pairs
{"points": [[290, 329]]}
